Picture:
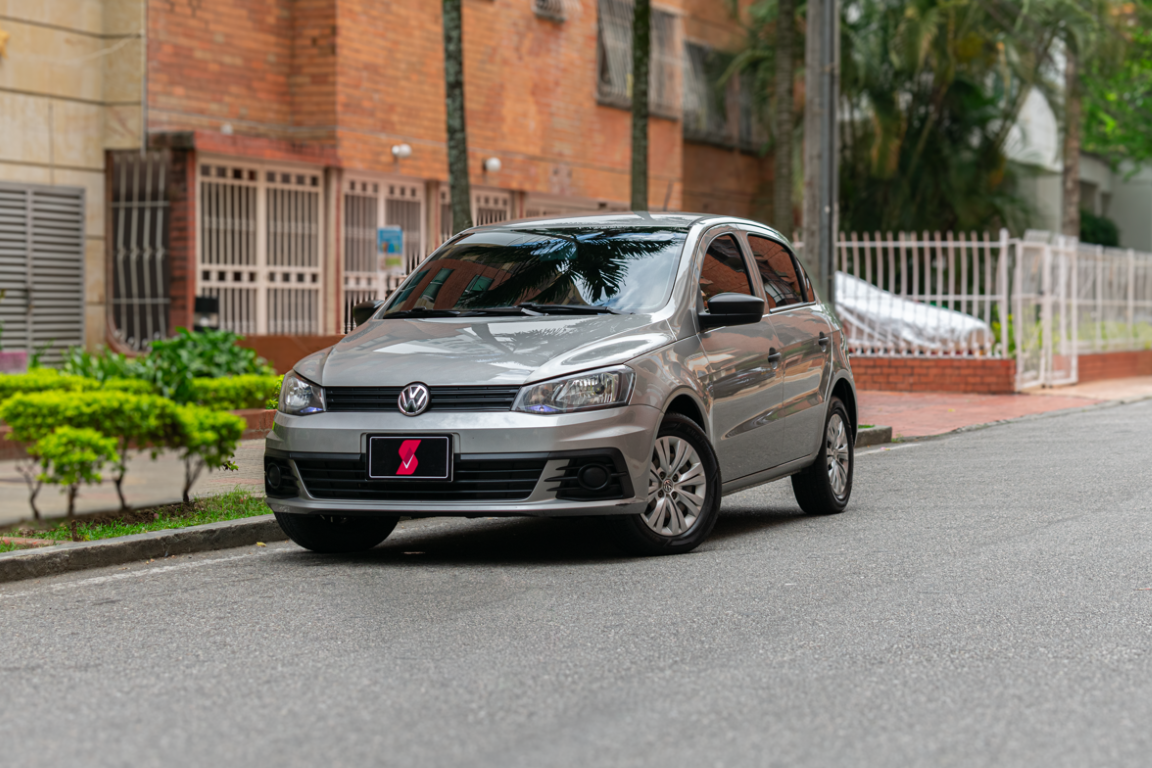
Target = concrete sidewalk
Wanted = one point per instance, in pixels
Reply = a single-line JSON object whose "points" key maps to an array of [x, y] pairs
{"points": [[148, 483], [920, 414]]}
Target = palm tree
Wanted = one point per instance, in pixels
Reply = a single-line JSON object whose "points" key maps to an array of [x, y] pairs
{"points": [[457, 133], [641, 60]]}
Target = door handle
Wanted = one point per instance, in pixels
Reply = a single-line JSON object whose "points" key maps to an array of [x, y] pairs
{"points": [[825, 339], [774, 356]]}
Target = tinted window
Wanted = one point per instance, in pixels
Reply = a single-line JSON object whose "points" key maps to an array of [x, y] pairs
{"points": [[724, 270], [625, 270], [784, 284]]}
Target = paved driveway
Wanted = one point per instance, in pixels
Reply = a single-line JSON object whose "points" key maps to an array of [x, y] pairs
{"points": [[987, 600]]}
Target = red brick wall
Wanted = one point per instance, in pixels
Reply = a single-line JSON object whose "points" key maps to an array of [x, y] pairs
{"points": [[937, 374], [283, 352], [1115, 365], [182, 239]]}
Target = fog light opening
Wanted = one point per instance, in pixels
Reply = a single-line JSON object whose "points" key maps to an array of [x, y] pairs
{"points": [[274, 477], [594, 477]]}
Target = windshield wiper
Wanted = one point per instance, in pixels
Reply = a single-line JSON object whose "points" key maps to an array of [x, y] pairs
{"points": [[568, 309], [480, 311], [421, 312]]}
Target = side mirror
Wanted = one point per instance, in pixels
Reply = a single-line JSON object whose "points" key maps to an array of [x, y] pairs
{"points": [[732, 309], [362, 312]]}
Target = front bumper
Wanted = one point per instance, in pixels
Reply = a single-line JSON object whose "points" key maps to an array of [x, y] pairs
{"points": [[626, 433]]}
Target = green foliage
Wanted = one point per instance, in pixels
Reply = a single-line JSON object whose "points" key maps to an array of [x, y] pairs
{"points": [[72, 456], [42, 380], [233, 505], [237, 392], [171, 365], [141, 419], [1098, 230], [205, 438]]}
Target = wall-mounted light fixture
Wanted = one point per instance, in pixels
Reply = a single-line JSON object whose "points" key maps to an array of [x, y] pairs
{"points": [[206, 313], [226, 129], [3, 43], [492, 165], [401, 151]]}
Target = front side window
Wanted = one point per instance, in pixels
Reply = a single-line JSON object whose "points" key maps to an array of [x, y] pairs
{"points": [[724, 270], [625, 271], [783, 282]]}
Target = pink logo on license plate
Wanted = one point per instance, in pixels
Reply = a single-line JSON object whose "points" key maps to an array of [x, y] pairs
{"points": [[408, 462]]}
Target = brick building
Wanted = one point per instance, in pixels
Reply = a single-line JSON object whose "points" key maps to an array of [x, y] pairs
{"points": [[282, 135]]}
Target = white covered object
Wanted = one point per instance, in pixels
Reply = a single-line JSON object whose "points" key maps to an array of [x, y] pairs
{"points": [[877, 318]]}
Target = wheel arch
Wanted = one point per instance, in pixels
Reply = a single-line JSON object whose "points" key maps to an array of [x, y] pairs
{"points": [[686, 405], [844, 390]]}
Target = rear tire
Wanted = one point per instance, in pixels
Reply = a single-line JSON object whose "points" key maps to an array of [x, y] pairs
{"points": [[329, 534], [825, 487], [683, 493]]}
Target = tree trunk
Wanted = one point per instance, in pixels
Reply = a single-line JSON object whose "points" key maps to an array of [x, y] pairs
{"points": [[641, 59], [120, 488], [1070, 218], [785, 78], [72, 511], [457, 134]]}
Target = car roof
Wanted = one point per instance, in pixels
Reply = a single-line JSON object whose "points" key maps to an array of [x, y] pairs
{"points": [[618, 220]]}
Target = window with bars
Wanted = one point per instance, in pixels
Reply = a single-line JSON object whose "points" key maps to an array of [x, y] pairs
{"points": [[139, 248], [261, 234], [488, 207], [713, 114], [368, 205], [614, 59]]}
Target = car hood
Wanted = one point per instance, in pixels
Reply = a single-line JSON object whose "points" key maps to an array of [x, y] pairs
{"points": [[481, 350]]}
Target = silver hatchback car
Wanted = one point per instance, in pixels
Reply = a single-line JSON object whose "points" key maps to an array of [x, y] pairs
{"points": [[638, 366]]}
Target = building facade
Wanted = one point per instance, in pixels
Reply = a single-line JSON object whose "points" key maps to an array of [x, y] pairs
{"points": [[286, 140]]}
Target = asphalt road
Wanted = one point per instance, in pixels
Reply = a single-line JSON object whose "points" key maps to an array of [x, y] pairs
{"points": [[986, 601]]}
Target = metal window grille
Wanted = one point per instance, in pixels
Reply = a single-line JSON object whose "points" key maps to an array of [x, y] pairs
{"points": [[259, 247], [614, 59], [549, 9], [42, 269], [705, 103], [140, 268], [488, 207], [368, 205]]}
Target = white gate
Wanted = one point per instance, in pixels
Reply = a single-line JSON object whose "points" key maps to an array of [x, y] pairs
{"points": [[261, 236], [1044, 303]]}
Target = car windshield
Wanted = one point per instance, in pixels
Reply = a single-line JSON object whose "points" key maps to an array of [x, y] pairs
{"points": [[548, 271]]}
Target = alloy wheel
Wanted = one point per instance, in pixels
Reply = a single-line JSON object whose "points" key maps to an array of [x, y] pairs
{"points": [[677, 487], [836, 450]]}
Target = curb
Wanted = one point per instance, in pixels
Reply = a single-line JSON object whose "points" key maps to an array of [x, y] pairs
{"points": [[873, 436], [78, 556]]}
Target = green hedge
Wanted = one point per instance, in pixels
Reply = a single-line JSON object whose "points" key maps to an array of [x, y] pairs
{"points": [[236, 392], [42, 380]]}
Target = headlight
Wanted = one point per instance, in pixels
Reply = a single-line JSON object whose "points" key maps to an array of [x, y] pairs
{"points": [[300, 397], [584, 392]]}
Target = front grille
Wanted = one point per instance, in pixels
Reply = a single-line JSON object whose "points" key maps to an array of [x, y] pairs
{"points": [[497, 479], [345, 399], [619, 485]]}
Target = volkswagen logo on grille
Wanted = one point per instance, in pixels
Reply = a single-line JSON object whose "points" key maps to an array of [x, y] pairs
{"points": [[413, 400]]}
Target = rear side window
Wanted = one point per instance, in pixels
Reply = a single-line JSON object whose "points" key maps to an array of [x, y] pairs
{"points": [[784, 283], [724, 270]]}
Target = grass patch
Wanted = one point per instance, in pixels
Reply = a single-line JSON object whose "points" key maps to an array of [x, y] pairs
{"points": [[9, 547], [213, 509], [866, 426]]}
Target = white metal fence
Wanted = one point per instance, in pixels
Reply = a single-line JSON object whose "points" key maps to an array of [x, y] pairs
{"points": [[1042, 299]]}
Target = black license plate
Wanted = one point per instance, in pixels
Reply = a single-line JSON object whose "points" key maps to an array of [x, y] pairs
{"points": [[410, 458]]}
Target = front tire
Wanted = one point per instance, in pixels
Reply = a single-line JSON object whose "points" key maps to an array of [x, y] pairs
{"points": [[329, 534], [683, 493], [825, 487]]}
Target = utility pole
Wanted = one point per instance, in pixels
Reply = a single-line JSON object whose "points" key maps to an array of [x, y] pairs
{"points": [[821, 148]]}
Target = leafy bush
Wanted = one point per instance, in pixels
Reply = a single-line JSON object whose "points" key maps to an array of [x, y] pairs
{"points": [[69, 457], [172, 364], [42, 380], [236, 392], [206, 438], [1098, 230], [135, 420]]}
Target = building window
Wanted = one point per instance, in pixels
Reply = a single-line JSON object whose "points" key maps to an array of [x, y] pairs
{"points": [[260, 248], [614, 59], [726, 115]]}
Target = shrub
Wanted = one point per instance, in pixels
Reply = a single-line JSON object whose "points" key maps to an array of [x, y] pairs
{"points": [[206, 438], [140, 421], [133, 386], [42, 380], [102, 366], [69, 457], [236, 392]]}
